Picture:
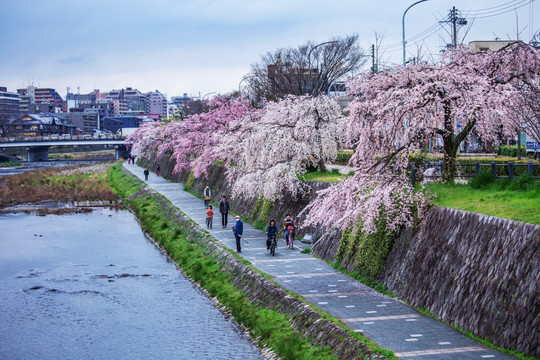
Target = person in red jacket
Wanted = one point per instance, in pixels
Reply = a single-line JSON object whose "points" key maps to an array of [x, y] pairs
{"points": [[209, 217]]}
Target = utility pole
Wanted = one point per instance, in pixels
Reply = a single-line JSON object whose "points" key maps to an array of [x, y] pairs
{"points": [[454, 19], [454, 27], [373, 64]]}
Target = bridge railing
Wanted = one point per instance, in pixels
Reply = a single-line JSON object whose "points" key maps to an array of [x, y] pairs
{"points": [[61, 137]]}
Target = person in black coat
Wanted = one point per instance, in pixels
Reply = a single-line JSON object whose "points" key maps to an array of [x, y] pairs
{"points": [[224, 209]]}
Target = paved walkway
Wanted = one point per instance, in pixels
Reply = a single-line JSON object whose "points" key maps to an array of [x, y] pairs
{"points": [[388, 322]]}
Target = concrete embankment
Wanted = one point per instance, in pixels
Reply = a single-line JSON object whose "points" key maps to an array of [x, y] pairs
{"points": [[476, 271]]}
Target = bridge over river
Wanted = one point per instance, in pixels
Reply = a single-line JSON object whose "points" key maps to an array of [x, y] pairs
{"points": [[37, 147]]}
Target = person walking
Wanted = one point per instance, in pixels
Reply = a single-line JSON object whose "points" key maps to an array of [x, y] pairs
{"points": [[207, 196], [146, 173], [157, 169], [238, 232], [224, 209], [209, 217], [129, 159]]}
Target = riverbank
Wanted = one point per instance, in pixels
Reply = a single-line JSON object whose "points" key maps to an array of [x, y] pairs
{"points": [[275, 317], [387, 321]]}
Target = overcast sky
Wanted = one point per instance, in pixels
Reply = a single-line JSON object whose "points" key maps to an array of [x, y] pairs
{"points": [[202, 46]]}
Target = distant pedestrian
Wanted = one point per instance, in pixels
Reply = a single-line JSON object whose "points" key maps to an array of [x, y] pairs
{"points": [[207, 196], [224, 209], [209, 217], [157, 169], [129, 160], [133, 159], [146, 173], [238, 231]]}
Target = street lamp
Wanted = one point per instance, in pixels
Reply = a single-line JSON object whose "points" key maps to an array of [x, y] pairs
{"points": [[403, 28], [210, 93], [244, 78], [309, 60]]}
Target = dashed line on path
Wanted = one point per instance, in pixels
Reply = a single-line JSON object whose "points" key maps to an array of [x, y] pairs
{"points": [[302, 275], [378, 318], [438, 351], [338, 294], [276, 260]]}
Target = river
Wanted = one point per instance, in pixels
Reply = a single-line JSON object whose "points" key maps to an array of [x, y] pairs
{"points": [[91, 286]]}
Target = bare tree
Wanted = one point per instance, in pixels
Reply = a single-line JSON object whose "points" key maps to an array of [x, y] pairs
{"points": [[6, 124], [309, 69]]}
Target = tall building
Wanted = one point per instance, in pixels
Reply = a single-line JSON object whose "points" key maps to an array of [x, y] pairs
{"points": [[9, 109], [127, 100], [156, 103], [44, 95], [180, 100]]}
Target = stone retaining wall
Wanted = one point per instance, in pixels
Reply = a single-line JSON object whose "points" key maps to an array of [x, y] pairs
{"points": [[305, 321], [476, 271]]}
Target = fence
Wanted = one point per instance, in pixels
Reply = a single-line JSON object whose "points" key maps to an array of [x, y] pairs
{"points": [[506, 170]]}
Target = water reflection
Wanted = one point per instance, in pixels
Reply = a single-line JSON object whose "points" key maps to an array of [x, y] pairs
{"points": [[92, 286]]}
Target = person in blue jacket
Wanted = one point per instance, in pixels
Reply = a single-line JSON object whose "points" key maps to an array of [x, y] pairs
{"points": [[238, 231]]}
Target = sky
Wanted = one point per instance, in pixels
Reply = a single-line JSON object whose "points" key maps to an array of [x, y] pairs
{"points": [[202, 47]]}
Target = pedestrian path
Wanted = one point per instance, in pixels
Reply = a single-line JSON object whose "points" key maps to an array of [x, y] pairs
{"points": [[388, 322]]}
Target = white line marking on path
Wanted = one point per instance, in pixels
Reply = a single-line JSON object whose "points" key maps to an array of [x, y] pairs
{"points": [[322, 274], [438, 351], [276, 260], [389, 317]]}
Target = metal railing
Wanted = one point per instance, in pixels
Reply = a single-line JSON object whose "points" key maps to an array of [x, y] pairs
{"points": [[9, 139], [463, 171]]}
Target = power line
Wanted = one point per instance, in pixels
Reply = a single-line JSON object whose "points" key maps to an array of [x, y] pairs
{"points": [[501, 11], [498, 7]]}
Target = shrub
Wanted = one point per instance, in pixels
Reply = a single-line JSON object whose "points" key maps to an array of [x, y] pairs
{"points": [[524, 182], [509, 150], [482, 180], [190, 181], [343, 157]]}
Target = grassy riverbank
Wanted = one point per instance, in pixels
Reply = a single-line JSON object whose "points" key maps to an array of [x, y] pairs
{"points": [[270, 327], [516, 200], [80, 183]]}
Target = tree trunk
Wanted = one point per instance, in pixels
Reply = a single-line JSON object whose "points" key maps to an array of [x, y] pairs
{"points": [[451, 143], [519, 145], [449, 160]]}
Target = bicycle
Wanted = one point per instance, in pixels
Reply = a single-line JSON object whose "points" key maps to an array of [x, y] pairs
{"points": [[290, 238], [273, 245]]}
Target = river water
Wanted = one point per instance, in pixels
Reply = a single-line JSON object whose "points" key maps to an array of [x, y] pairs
{"points": [[91, 286]]}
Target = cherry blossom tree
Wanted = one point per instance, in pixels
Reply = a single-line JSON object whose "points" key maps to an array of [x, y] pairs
{"points": [[145, 140], [191, 141], [267, 153], [394, 113]]}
